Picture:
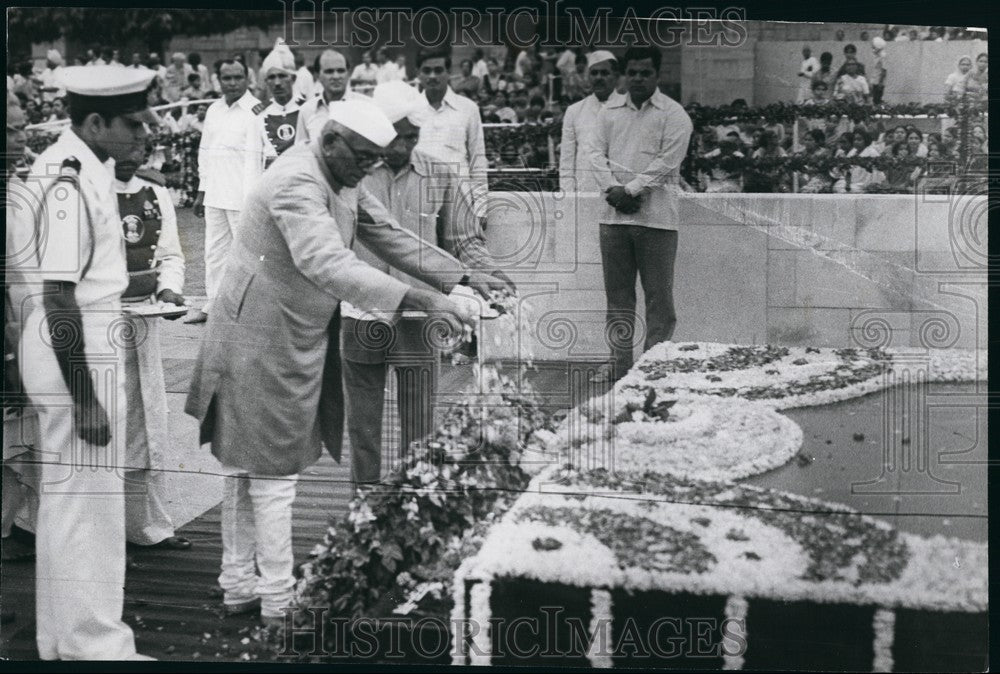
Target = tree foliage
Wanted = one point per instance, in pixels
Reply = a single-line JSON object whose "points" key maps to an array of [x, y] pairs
{"points": [[116, 26]]}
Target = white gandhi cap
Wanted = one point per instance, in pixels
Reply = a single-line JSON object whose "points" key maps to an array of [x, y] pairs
{"points": [[600, 56], [363, 118], [399, 100]]}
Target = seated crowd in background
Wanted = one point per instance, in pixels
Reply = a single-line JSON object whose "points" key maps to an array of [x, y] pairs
{"points": [[537, 86]]}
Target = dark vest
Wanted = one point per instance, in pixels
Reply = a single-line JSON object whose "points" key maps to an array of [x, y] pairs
{"points": [[141, 224], [281, 130]]}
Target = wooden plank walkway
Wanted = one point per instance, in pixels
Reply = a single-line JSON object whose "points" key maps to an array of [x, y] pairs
{"points": [[170, 596]]}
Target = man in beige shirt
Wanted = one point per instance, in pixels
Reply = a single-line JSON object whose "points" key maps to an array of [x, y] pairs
{"points": [[636, 150]]}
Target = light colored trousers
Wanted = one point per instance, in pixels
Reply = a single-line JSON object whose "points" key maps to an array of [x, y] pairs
{"points": [[257, 527], [220, 230], [80, 540], [147, 521]]}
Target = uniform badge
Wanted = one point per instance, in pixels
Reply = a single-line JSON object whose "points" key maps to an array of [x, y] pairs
{"points": [[257, 109], [285, 132], [132, 228]]}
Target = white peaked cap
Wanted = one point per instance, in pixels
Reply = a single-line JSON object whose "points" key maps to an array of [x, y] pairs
{"points": [[364, 118], [599, 56], [280, 58], [399, 100]]}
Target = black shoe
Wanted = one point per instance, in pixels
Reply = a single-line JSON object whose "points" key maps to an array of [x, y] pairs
{"points": [[171, 543]]}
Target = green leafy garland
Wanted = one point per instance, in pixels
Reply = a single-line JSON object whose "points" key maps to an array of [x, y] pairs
{"points": [[397, 533]]}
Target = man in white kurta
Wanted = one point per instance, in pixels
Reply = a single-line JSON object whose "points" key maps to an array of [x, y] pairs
{"points": [[75, 336], [156, 273], [229, 162], [576, 173], [452, 129]]}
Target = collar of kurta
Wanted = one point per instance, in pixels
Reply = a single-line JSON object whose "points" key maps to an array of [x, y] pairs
{"points": [[102, 174], [657, 100], [247, 101]]}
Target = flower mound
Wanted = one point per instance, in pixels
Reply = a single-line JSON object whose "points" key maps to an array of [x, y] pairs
{"points": [[691, 437], [789, 377]]}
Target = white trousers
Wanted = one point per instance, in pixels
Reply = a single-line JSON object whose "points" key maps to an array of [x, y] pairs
{"points": [[80, 541], [146, 496], [257, 527], [220, 230]]}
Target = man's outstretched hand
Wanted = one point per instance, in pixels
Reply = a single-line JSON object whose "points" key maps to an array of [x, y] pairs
{"points": [[438, 306]]}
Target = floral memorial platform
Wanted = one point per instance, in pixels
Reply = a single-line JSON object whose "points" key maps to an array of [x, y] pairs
{"points": [[625, 532]]}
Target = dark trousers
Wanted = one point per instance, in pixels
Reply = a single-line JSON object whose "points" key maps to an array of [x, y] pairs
{"points": [[627, 250], [877, 91], [416, 366]]}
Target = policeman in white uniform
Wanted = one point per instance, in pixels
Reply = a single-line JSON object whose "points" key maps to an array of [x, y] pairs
{"points": [[156, 273], [73, 342], [277, 126]]}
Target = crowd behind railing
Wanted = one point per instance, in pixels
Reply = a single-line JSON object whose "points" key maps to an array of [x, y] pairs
{"points": [[838, 136]]}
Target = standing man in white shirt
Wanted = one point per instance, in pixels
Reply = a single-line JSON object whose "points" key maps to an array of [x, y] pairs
{"points": [[637, 150], [576, 171], [480, 68], [314, 113], [277, 125], [453, 129], [52, 87], [302, 91], [808, 67], [77, 384], [176, 77], [156, 272], [229, 160], [388, 71], [365, 75]]}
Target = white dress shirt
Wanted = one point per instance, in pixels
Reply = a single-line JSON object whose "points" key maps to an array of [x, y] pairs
{"points": [[315, 113], [229, 157], [168, 254], [80, 240], [576, 172], [454, 132], [51, 78], [389, 72], [642, 149]]}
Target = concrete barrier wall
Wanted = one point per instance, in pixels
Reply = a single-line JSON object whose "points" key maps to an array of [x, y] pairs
{"points": [[895, 270]]}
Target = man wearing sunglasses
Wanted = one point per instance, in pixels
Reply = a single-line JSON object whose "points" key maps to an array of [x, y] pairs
{"points": [[267, 387]]}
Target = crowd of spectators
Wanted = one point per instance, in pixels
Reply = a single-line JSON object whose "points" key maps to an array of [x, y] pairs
{"points": [[536, 86]]}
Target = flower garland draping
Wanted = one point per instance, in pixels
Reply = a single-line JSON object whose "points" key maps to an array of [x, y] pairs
{"points": [[417, 525]]}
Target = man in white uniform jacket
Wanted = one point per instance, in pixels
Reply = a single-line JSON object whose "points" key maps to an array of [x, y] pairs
{"points": [[576, 173], [74, 335], [229, 161]]}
